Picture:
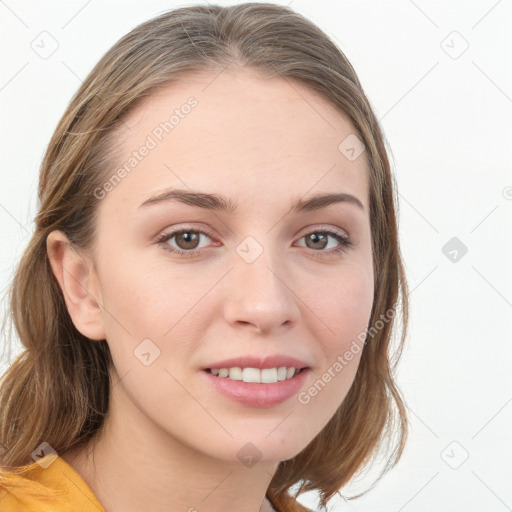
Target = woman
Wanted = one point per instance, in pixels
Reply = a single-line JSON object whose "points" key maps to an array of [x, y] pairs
{"points": [[207, 301]]}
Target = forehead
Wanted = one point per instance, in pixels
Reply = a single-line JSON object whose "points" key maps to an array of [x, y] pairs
{"points": [[246, 136]]}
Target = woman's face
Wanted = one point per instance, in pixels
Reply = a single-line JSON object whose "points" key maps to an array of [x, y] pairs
{"points": [[258, 280]]}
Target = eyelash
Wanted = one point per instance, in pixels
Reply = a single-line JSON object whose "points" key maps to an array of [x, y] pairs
{"points": [[344, 242]]}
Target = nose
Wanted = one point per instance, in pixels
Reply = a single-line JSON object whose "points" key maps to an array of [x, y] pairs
{"points": [[261, 294]]}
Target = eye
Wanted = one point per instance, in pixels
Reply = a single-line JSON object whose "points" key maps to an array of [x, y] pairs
{"points": [[188, 241], [319, 240]]}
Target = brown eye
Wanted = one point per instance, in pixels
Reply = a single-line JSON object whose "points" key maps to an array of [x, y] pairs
{"points": [[320, 240], [184, 242], [317, 241], [187, 240]]}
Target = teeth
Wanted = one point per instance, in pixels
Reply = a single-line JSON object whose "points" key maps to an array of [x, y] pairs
{"points": [[282, 373], [269, 375], [235, 373], [265, 376], [251, 375]]}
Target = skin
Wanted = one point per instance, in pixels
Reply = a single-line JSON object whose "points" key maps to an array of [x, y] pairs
{"points": [[170, 440]]}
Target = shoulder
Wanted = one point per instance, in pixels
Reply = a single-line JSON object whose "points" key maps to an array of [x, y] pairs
{"points": [[21, 489], [45, 486]]}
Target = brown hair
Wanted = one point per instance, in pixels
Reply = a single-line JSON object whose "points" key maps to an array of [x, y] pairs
{"points": [[57, 389]]}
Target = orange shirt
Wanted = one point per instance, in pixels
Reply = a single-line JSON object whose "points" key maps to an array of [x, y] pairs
{"points": [[59, 488], [55, 488]]}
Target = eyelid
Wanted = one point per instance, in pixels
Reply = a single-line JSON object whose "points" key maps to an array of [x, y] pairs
{"points": [[302, 232], [177, 230], [325, 227]]}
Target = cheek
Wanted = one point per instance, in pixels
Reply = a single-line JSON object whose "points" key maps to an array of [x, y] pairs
{"points": [[133, 303], [344, 309], [139, 292], [344, 304], [147, 302], [345, 313]]}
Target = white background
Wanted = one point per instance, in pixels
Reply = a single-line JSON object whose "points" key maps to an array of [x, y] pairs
{"points": [[448, 122]]}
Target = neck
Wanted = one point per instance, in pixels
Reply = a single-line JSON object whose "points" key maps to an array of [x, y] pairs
{"points": [[134, 465]]}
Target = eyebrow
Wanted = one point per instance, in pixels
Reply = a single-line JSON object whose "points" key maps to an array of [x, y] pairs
{"points": [[220, 203]]}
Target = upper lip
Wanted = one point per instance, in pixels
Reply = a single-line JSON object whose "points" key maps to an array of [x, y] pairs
{"points": [[274, 361]]}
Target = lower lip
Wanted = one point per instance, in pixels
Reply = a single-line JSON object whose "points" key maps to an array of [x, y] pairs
{"points": [[253, 394]]}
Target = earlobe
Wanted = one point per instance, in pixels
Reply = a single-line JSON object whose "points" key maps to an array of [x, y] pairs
{"points": [[79, 284]]}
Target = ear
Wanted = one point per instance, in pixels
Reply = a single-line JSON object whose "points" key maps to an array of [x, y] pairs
{"points": [[79, 284]]}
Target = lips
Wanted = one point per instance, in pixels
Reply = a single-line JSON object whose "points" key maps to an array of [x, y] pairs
{"points": [[250, 394], [273, 361]]}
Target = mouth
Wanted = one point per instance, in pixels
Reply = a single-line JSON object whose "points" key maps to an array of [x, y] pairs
{"points": [[256, 375], [257, 388]]}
